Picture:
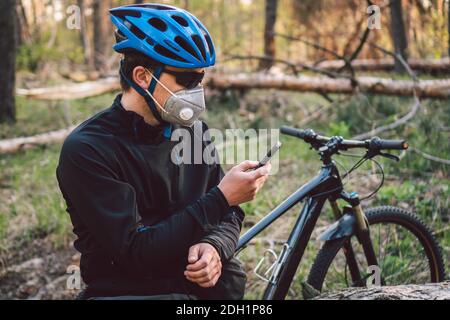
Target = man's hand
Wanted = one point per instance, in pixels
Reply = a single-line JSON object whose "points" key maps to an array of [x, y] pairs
{"points": [[240, 185], [204, 266]]}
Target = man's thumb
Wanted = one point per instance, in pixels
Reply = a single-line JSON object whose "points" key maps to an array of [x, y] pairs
{"points": [[246, 165], [193, 254]]}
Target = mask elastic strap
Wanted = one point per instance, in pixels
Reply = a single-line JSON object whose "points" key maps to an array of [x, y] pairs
{"points": [[167, 131], [155, 101], [145, 93], [170, 91], [156, 78]]}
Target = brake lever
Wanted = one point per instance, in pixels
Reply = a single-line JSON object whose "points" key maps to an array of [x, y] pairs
{"points": [[373, 153], [390, 156]]}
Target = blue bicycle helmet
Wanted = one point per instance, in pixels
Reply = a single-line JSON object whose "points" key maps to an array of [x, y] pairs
{"points": [[168, 35]]}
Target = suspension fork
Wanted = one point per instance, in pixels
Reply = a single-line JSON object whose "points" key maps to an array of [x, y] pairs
{"points": [[362, 229], [348, 249]]}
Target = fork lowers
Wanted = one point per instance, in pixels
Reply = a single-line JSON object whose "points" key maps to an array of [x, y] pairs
{"points": [[363, 232]]}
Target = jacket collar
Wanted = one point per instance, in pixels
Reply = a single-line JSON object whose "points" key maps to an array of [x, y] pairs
{"points": [[132, 124]]}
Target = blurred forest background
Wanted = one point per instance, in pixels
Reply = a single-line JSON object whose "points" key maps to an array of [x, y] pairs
{"points": [[356, 68]]}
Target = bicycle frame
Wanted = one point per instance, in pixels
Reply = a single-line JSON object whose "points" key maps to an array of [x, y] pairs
{"points": [[315, 193]]}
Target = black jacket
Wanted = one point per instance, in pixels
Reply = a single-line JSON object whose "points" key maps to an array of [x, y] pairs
{"points": [[135, 212]]}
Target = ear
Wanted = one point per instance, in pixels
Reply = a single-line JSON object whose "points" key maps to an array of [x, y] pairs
{"points": [[141, 77]]}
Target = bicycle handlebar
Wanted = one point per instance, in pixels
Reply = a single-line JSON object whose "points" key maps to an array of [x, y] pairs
{"points": [[375, 143], [382, 144]]}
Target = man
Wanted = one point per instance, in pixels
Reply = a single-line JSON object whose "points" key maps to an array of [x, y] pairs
{"points": [[147, 226]]}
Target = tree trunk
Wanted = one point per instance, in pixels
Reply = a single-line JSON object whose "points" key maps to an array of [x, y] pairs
{"points": [[102, 34], [8, 41], [398, 33], [269, 33], [448, 27], [84, 37], [431, 291], [23, 28]]}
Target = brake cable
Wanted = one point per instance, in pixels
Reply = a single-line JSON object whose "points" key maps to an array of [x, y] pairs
{"points": [[358, 164], [347, 173], [381, 183]]}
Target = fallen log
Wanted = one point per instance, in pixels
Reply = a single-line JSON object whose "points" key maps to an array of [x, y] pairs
{"points": [[439, 89], [425, 88], [22, 143], [72, 91], [422, 65], [431, 291]]}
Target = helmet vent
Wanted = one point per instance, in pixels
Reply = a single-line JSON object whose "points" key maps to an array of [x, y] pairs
{"points": [[210, 44], [198, 25], [170, 44], [127, 13], [183, 43], [181, 21], [154, 6], [168, 54], [136, 31], [199, 44], [158, 24], [119, 36]]}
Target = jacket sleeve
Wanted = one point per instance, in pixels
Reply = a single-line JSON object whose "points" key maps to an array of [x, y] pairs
{"points": [[224, 236], [107, 207]]}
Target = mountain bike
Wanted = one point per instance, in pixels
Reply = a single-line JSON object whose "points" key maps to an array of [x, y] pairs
{"points": [[385, 241]]}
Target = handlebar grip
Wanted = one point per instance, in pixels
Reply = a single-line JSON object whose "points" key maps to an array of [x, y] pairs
{"points": [[298, 133], [388, 144]]}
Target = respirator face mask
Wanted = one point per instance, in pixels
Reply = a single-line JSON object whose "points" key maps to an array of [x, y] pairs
{"points": [[183, 107]]}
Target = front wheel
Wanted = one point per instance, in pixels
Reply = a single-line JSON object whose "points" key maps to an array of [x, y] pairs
{"points": [[406, 250]]}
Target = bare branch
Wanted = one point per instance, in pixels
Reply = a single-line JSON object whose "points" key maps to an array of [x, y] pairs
{"points": [[347, 64], [291, 65], [311, 44], [431, 157], [414, 108], [398, 57], [403, 120], [430, 66], [358, 49], [294, 66]]}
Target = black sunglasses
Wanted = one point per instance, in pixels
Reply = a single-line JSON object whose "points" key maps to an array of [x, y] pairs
{"points": [[189, 80]]}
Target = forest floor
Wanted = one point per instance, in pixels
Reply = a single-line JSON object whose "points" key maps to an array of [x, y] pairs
{"points": [[36, 240]]}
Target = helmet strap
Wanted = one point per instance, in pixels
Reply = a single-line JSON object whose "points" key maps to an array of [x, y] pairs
{"points": [[167, 131]]}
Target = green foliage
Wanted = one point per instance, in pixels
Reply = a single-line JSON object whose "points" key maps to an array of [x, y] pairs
{"points": [[34, 117], [426, 132], [53, 44], [35, 207], [421, 195], [29, 56], [3, 225], [339, 129]]}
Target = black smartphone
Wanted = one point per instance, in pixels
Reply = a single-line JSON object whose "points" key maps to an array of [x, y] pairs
{"points": [[269, 155]]}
